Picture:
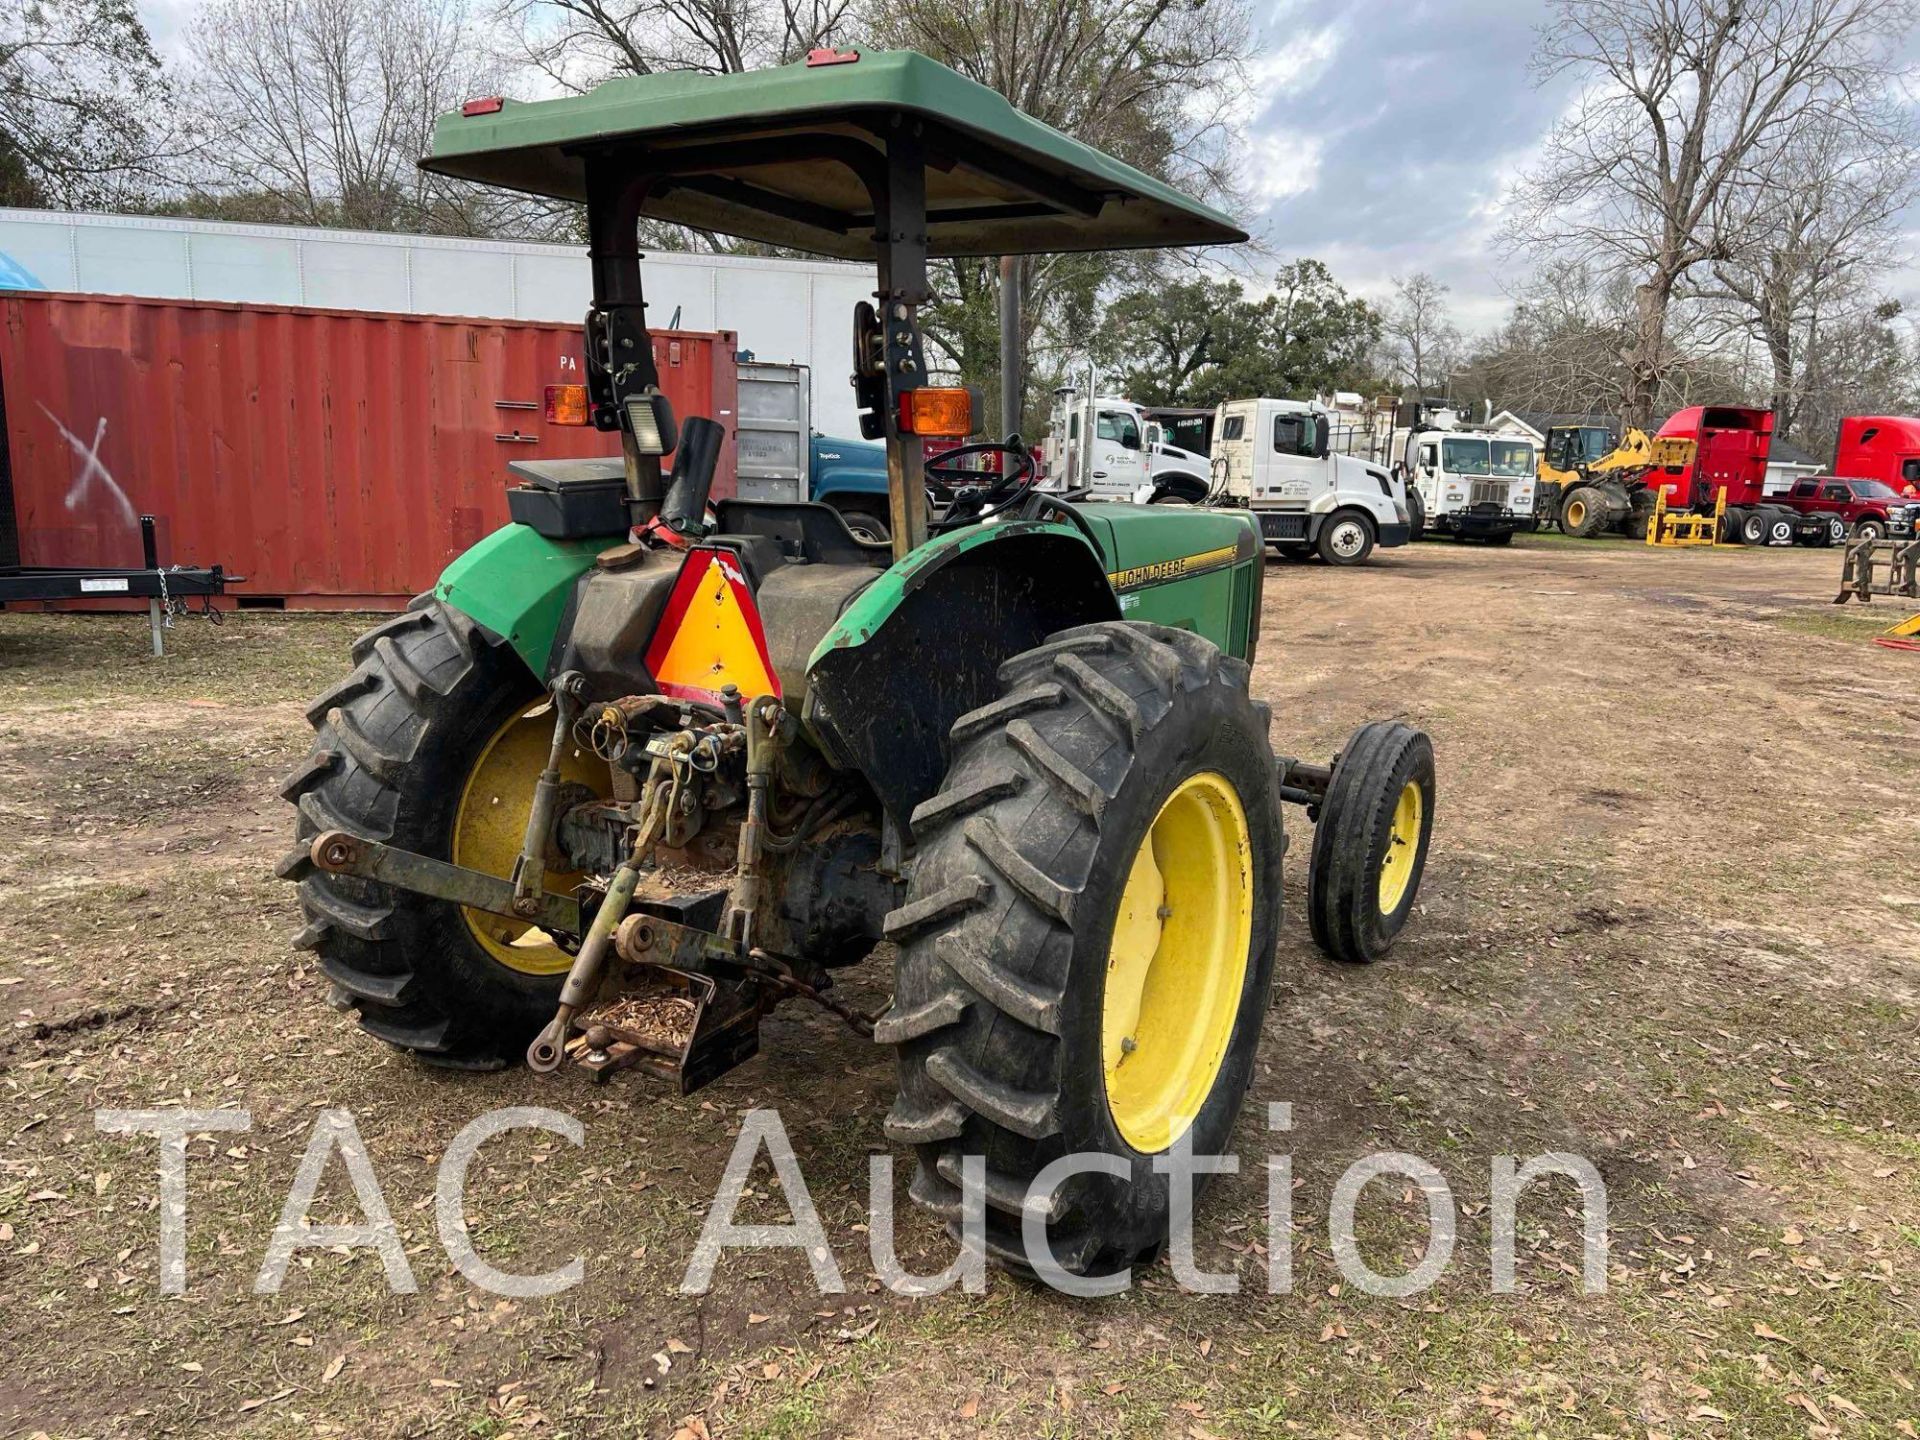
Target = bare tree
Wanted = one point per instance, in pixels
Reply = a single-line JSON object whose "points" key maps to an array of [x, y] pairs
{"points": [[324, 107], [1680, 102], [578, 43], [1158, 85], [1561, 348], [1423, 341], [1799, 252], [83, 112]]}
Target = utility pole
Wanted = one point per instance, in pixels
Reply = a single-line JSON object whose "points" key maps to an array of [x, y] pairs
{"points": [[1012, 379]]}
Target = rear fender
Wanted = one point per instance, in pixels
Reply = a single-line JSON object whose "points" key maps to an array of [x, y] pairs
{"points": [[924, 643], [517, 583]]}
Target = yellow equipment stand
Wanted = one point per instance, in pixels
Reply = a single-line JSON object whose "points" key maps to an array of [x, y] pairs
{"points": [[1664, 527]]}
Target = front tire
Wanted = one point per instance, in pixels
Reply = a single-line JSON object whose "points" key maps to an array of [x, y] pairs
{"points": [[1370, 841], [1346, 539], [1580, 516], [1101, 866], [396, 744], [1870, 530]]}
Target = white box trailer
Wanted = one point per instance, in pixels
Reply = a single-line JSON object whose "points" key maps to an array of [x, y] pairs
{"points": [[791, 312]]}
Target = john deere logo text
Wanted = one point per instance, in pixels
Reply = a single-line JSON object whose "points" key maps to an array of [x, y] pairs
{"points": [[1178, 568]]}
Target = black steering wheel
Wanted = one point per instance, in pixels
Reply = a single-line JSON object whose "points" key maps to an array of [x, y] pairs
{"points": [[977, 495]]}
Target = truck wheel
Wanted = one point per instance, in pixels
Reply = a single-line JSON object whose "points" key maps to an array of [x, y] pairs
{"points": [[1370, 841], [865, 525], [1580, 517], [1346, 538], [1870, 529], [1087, 938], [1753, 528], [1779, 528], [430, 745], [1836, 531], [1416, 515]]}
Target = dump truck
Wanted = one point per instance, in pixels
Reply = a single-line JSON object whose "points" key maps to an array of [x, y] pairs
{"points": [[637, 770]]}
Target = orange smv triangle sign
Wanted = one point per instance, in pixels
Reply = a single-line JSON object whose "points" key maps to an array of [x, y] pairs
{"points": [[710, 634]]}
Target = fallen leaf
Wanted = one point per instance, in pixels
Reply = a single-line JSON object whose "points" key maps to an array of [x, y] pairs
{"points": [[679, 1347], [1767, 1332], [1791, 1236], [246, 1405], [971, 1408], [757, 1319], [334, 1367]]}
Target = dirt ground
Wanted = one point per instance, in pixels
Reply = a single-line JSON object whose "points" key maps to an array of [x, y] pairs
{"points": [[1671, 922]]}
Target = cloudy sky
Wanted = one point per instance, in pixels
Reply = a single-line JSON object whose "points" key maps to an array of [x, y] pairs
{"points": [[1390, 133], [1386, 136]]}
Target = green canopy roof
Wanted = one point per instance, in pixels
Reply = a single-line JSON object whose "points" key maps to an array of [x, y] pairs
{"points": [[998, 182]]}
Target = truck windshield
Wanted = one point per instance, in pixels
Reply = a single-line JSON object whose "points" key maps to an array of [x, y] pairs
{"points": [[1464, 455], [1512, 457], [1873, 490], [1114, 425]]}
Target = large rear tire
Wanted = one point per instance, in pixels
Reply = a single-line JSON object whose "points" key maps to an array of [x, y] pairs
{"points": [[1088, 937], [433, 704]]}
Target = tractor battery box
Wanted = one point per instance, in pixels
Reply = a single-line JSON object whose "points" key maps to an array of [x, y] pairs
{"points": [[573, 508]]}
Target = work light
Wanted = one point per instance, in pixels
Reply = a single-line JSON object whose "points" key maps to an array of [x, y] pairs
{"points": [[650, 418]]}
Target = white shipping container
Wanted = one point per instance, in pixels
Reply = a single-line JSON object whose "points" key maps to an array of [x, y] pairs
{"points": [[789, 312]]}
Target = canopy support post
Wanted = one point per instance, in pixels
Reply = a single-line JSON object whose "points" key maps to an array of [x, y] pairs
{"points": [[1012, 379], [619, 349], [900, 240]]}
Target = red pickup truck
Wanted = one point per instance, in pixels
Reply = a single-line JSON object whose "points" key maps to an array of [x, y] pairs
{"points": [[1857, 508]]}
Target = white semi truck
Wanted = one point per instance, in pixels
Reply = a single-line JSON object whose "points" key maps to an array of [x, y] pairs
{"points": [[1283, 459], [1108, 447], [1470, 483]]}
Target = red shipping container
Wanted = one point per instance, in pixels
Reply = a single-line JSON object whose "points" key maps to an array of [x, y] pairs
{"points": [[337, 459]]}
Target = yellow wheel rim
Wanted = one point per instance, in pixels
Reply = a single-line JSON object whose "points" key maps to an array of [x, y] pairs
{"points": [[1403, 848], [492, 822], [1576, 511], [1177, 962]]}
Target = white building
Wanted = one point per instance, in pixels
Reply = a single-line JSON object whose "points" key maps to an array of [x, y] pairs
{"points": [[786, 311]]}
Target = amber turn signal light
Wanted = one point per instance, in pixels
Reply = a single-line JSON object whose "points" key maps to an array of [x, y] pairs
{"points": [[946, 413], [565, 405]]}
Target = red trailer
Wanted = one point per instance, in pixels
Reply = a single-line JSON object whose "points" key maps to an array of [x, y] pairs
{"points": [[338, 459]]}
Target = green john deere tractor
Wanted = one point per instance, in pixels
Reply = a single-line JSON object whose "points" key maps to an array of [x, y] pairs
{"points": [[644, 765]]}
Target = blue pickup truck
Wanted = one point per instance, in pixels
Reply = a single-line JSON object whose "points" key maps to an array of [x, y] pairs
{"points": [[851, 476]]}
